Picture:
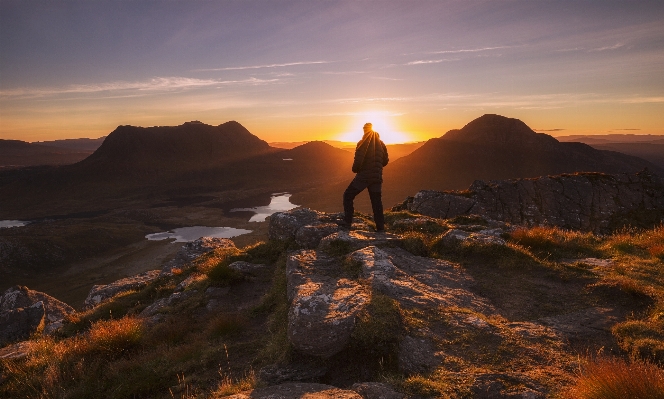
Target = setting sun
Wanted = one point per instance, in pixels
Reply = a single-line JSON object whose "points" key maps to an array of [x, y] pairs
{"points": [[382, 123]]}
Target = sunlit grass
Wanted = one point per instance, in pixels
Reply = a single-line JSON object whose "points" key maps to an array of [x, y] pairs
{"points": [[612, 378]]}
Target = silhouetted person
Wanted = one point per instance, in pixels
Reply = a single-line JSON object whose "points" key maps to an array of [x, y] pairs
{"points": [[370, 157]]}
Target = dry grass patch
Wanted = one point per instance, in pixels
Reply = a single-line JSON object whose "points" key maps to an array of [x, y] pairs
{"points": [[612, 378], [557, 243]]}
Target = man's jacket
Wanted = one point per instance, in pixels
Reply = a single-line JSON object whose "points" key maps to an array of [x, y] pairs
{"points": [[370, 157]]}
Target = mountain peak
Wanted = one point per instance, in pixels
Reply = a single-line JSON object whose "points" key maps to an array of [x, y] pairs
{"points": [[498, 129]]}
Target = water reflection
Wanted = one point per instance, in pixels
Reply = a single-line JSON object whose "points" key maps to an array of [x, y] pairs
{"points": [[186, 234], [12, 223], [279, 202]]}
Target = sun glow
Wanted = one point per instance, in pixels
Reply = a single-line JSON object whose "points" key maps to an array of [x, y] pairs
{"points": [[382, 123]]}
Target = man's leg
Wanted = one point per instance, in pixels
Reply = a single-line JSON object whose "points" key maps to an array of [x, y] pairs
{"points": [[354, 188], [377, 206]]}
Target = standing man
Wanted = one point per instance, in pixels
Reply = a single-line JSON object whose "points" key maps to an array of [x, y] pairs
{"points": [[370, 157]]}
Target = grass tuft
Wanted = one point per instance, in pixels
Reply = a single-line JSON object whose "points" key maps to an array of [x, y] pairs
{"points": [[612, 378]]}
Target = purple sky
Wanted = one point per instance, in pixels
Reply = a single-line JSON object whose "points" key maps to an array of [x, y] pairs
{"points": [[303, 70]]}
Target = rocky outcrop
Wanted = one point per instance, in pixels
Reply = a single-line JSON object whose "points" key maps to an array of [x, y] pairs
{"points": [[185, 255], [284, 225], [584, 201], [323, 307], [193, 250], [352, 240], [103, 292], [24, 311], [21, 297], [19, 324]]}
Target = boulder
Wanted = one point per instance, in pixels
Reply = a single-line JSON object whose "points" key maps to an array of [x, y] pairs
{"points": [[246, 267], [323, 308], [297, 390], [158, 305], [309, 236], [19, 324], [100, 293], [18, 297], [352, 240], [15, 351], [280, 373], [417, 355], [193, 250], [284, 225], [376, 390], [488, 237]]}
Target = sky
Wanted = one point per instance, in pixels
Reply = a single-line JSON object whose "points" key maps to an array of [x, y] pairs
{"points": [[311, 70]]}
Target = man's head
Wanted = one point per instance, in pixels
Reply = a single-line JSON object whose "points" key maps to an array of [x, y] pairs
{"points": [[367, 127]]}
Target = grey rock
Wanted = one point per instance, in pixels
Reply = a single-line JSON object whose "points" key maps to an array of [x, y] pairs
{"points": [[416, 281], [583, 201], [323, 308], [18, 297], [15, 351], [191, 279], [217, 292], [376, 390], [358, 239], [159, 305], [19, 324], [193, 250], [309, 236], [417, 355], [246, 267], [100, 293], [297, 390], [492, 386], [277, 374], [284, 225]]}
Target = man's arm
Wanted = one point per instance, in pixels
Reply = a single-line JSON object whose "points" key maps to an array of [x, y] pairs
{"points": [[360, 153], [385, 157]]}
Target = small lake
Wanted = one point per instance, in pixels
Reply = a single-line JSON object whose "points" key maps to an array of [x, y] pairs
{"points": [[279, 202], [187, 234], [12, 223]]}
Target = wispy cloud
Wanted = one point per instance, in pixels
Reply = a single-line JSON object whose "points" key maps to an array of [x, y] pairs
{"points": [[424, 62], [262, 66], [605, 48], [343, 72], [383, 78], [154, 84], [549, 130], [473, 50]]}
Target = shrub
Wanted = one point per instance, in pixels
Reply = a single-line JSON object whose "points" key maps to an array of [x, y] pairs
{"points": [[379, 327], [339, 248], [223, 275], [415, 243], [266, 252], [114, 337], [227, 324], [642, 338], [616, 379]]}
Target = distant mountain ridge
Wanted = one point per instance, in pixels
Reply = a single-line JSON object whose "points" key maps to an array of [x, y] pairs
{"points": [[494, 147], [164, 148], [17, 154]]}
